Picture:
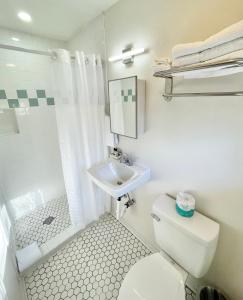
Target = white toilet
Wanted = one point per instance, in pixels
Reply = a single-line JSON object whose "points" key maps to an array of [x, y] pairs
{"points": [[190, 244]]}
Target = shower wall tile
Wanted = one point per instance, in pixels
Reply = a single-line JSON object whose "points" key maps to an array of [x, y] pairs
{"points": [[13, 98], [22, 94], [13, 103], [50, 101], [41, 93], [2, 94], [33, 102]]}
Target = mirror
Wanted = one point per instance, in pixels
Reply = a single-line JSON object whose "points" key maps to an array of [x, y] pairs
{"points": [[123, 106]]}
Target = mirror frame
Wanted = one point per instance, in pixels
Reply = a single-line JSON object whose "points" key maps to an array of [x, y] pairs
{"points": [[136, 117]]}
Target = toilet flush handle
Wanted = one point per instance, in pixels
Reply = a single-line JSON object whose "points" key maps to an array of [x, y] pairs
{"points": [[154, 216]]}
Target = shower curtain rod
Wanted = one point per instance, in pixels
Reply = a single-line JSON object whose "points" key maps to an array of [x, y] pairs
{"points": [[40, 52]]}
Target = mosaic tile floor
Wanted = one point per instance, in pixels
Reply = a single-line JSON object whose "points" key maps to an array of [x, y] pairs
{"points": [[30, 228], [92, 266]]}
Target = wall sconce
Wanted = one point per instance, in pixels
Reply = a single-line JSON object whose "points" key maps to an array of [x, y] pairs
{"points": [[127, 55]]}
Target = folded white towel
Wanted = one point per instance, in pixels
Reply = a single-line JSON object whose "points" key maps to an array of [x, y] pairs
{"points": [[209, 54], [186, 60], [226, 35], [182, 50], [216, 71], [27, 256]]}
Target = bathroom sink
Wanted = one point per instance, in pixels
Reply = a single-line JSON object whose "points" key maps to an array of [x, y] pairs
{"points": [[116, 178]]}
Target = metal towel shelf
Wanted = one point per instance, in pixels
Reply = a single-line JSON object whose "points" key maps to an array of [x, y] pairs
{"points": [[177, 71]]}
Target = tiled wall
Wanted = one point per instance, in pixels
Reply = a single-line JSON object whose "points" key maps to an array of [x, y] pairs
{"points": [[23, 99]]}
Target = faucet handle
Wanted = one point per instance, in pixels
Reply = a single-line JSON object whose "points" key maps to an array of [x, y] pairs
{"points": [[126, 159]]}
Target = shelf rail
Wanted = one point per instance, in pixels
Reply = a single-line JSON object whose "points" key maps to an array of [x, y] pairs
{"points": [[180, 71]]}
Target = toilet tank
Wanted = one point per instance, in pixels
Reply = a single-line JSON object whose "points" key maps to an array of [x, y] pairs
{"points": [[191, 242]]}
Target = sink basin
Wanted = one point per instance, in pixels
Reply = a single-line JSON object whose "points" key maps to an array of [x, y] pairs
{"points": [[116, 178]]}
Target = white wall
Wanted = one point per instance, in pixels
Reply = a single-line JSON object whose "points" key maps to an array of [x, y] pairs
{"points": [[189, 144], [91, 39], [30, 161]]}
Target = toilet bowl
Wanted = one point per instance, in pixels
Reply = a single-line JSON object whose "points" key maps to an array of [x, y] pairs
{"points": [[154, 277], [190, 245]]}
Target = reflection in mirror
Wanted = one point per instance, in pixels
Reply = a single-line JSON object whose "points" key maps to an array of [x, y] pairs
{"points": [[123, 106]]}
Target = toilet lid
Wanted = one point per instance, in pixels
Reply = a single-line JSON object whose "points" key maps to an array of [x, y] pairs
{"points": [[154, 278]]}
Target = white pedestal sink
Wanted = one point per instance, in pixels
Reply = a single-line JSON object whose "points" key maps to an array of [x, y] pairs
{"points": [[116, 178]]}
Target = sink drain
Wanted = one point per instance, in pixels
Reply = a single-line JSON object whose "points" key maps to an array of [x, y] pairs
{"points": [[119, 182]]}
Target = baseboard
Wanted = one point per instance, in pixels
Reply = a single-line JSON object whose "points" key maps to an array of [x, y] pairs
{"points": [[149, 245]]}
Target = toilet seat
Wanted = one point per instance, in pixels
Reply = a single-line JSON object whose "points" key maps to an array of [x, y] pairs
{"points": [[154, 278]]}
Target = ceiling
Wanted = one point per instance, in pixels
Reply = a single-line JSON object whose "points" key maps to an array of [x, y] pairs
{"points": [[58, 19]]}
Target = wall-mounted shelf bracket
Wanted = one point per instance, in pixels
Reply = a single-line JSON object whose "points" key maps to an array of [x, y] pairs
{"points": [[168, 89]]}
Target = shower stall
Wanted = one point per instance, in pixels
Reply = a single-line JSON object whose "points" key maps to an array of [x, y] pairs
{"points": [[32, 184], [51, 116]]}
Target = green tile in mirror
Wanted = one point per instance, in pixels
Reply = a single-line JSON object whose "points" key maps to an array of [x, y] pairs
{"points": [[22, 94], [50, 101], [3, 94], [129, 92], [13, 103], [122, 92], [33, 102], [125, 98], [41, 93], [133, 98]]}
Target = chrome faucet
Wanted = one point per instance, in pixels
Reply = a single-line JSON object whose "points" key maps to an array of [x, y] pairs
{"points": [[125, 159]]}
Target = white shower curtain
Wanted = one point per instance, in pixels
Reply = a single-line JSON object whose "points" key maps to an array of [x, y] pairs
{"points": [[80, 113]]}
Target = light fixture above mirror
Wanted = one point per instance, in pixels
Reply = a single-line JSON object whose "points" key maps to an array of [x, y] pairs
{"points": [[127, 55]]}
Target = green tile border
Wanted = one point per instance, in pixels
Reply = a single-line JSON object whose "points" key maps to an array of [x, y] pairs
{"points": [[129, 92], [41, 93], [13, 103], [128, 95], [50, 101], [23, 94], [33, 102], [3, 94]]}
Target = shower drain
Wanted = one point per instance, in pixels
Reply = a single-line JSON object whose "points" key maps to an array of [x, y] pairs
{"points": [[119, 182], [48, 220]]}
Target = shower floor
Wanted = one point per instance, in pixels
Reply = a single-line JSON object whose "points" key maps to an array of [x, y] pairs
{"points": [[91, 266], [35, 226]]}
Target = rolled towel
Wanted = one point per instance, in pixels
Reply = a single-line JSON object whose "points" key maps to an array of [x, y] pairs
{"points": [[226, 35], [161, 64]]}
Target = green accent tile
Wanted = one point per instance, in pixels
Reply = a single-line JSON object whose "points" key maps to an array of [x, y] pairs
{"points": [[122, 92], [129, 92], [3, 94], [125, 98], [33, 102], [22, 94], [12, 103], [41, 93], [133, 98], [50, 101]]}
